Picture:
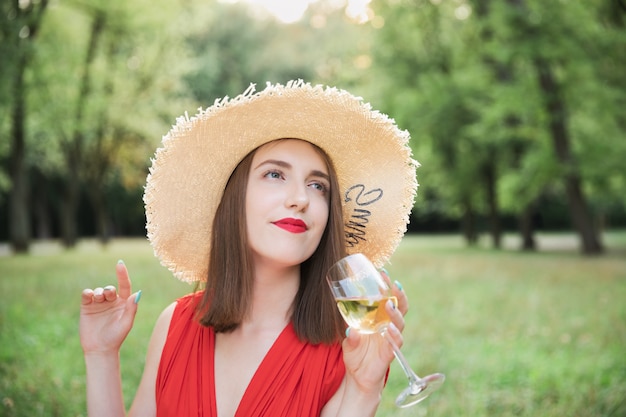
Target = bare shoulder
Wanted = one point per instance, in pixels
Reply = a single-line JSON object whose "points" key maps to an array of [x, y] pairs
{"points": [[161, 328], [159, 334], [163, 322]]}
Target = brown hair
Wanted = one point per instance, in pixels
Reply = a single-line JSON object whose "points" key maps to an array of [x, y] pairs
{"points": [[228, 291]]}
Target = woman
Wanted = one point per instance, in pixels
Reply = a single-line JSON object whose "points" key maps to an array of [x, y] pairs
{"points": [[257, 197]]}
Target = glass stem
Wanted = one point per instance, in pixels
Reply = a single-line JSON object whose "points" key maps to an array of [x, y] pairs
{"points": [[414, 380]]}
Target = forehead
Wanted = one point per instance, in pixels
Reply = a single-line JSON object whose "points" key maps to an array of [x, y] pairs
{"points": [[292, 151]]}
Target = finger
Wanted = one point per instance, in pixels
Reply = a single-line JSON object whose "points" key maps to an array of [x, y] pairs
{"points": [[87, 296], [98, 295], [403, 301], [110, 293], [123, 280], [397, 291], [385, 275], [395, 315], [128, 317], [395, 334]]}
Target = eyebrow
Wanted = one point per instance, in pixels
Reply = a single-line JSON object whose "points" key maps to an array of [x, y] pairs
{"points": [[287, 165]]}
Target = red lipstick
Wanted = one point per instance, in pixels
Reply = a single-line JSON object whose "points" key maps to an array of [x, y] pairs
{"points": [[291, 225]]}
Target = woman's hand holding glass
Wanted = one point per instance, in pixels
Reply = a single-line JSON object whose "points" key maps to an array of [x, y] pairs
{"points": [[366, 302], [367, 356]]}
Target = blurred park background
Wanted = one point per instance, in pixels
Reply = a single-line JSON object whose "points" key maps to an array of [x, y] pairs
{"points": [[516, 110]]}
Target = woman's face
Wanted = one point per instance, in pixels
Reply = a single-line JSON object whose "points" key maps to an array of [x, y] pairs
{"points": [[287, 201]]}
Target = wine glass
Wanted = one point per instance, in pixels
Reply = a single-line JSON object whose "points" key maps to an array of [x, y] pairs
{"points": [[361, 294]]}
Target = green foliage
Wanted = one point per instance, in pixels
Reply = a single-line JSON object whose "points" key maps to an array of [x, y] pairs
{"points": [[515, 333], [103, 90], [135, 84], [461, 77], [233, 49]]}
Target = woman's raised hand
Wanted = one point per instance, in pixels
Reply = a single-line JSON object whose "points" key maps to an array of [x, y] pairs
{"points": [[106, 315]]}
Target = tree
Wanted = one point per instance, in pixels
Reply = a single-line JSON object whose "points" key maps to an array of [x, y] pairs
{"points": [[551, 47], [233, 48], [19, 30], [419, 83], [122, 86], [527, 75]]}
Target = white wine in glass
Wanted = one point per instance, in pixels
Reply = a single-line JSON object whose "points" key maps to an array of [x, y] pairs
{"points": [[361, 294]]}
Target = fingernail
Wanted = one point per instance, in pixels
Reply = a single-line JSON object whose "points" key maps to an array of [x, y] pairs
{"points": [[385, 271], [393, 328], [120, 262], [400, 287], [138, 297], [348, 332], [391, 304]]}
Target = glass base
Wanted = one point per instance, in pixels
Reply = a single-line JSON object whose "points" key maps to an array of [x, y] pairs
{"points": [[419, 390]]}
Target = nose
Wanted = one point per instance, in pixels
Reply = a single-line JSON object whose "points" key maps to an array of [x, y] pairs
{"points": [[298, 198]]}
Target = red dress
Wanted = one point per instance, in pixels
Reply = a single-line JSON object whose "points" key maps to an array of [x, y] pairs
{"points": [[294, 379]]}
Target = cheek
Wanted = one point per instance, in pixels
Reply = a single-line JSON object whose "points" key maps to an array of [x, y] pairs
{"points": [[247, 209], [261, 202], [322, 212], [254, 207]]}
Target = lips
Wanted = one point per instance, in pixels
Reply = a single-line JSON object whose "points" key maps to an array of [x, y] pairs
{"points": [[291, 225]]}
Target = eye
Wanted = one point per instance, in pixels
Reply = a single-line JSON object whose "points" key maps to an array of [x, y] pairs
{"points": [[320, 186], [274, 174]]}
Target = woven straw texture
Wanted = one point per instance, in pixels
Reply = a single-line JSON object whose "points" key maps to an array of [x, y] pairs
{"points": [[189, 172]]}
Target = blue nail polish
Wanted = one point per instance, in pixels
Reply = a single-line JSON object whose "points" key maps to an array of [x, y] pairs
{"points": [[347, 332], [138, 297], [385, 271], [400, 287], [120, 262]]}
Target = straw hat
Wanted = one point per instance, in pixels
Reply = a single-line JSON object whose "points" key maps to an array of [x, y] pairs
{"points": [[371, 155]]}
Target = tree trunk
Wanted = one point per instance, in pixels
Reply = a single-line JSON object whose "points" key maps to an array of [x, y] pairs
{"points": [[102, 156], [490, 180], [468, 223], [41, 207], [526, 227], [102, 218], [19, 216], [577, 203], [74, 149], [69, 204], [503, 75]]}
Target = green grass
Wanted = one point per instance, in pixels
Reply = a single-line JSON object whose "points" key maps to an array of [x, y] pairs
{"points": [[517, 334]]}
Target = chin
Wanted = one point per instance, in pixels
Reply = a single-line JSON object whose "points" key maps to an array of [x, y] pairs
{"points": [[286, 257]]}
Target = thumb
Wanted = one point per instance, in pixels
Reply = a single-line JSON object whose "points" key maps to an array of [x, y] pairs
{"points": [[130, 311], [352, 340]]}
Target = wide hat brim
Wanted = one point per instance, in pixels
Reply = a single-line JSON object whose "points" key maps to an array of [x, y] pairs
{"points": [[371, 155]]}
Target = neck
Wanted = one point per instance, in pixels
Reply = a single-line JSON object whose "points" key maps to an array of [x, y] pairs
{"points": [[275, 289]]}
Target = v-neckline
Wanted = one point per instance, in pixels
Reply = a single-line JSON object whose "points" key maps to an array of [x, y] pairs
{"points": [[287, 330]]}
